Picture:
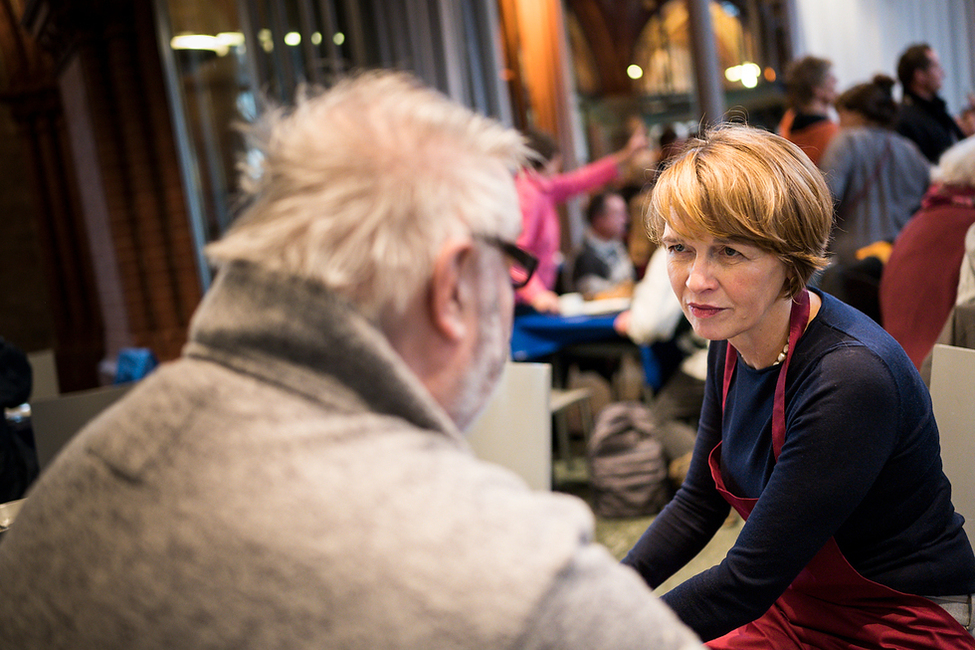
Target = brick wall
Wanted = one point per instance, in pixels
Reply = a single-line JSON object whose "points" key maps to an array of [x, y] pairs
{"points": [[107, 225], [25, 315]]}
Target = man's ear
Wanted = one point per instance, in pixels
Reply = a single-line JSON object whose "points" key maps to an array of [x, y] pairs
{"points": [[451, 294]]}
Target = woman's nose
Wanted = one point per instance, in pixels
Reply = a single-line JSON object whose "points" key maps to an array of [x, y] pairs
{"points": [[699, 275]]}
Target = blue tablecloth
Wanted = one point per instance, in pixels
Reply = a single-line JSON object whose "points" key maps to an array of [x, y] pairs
{"points": [[537, 336]]}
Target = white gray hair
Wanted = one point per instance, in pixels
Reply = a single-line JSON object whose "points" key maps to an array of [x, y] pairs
{"points": [[360, 185], [957, 164]]}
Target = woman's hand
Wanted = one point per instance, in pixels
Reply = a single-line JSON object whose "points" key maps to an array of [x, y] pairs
{"points": [[638, 142], [622, 323], [546, 302]]}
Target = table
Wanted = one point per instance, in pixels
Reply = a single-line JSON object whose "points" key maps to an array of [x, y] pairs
{"points": [[537, 336]]}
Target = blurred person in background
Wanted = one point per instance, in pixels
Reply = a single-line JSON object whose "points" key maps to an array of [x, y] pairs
{"points": [[811, 87], [959, 327], [602, 268], [877, 178], [540, 189], [920, 281], [923, 116], [669, 144]]}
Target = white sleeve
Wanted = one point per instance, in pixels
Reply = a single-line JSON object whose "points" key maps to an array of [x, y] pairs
{"points": [[966, 280], [654, 311]]}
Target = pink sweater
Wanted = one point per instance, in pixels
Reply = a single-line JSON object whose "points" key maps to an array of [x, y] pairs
{"points": [[541, 233]]}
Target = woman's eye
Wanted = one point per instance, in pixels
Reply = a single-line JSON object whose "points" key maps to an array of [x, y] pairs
{"points": [[729, 252], [676, 248]]}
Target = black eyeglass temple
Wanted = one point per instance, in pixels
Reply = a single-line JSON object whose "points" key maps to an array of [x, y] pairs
{"points": [[528, 261]]}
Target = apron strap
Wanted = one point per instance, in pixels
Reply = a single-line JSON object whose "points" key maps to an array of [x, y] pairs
{"points": [[798, 317]]}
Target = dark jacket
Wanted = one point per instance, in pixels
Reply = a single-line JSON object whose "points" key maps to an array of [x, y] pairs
{"points": [[928, 123], [18, 459]]}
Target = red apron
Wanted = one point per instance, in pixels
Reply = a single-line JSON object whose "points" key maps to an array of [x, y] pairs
{"points": [[830, 605]]}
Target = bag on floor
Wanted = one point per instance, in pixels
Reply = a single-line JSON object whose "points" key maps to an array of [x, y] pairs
{"points": [[627, 465]]}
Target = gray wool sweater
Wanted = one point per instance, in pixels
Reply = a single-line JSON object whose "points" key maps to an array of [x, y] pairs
{"points": [[288, 483]]}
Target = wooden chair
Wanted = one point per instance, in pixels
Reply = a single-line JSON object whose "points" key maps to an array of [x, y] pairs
{"points": [[559, 403]]}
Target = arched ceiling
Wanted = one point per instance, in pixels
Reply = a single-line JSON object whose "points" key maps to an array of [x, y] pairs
{"points": [[611, 28], [23, 65]]}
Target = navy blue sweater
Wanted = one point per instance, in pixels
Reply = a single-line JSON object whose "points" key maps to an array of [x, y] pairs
{"points": [[860, 463]]}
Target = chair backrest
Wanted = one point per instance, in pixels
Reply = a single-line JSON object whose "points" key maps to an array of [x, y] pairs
{"points": [[45, 374], [56, 420], [515, 428], [953, 396]]}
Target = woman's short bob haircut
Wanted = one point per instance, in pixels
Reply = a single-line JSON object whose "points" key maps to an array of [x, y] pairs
{"points": [[748, 185]]}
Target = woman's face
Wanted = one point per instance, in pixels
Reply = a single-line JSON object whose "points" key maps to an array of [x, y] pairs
{"points": [[727, 289]]}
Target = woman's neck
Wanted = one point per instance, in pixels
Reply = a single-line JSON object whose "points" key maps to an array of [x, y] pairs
{"points": [[762, 347]]}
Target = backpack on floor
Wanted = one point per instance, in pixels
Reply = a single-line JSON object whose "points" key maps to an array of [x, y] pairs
{"points": [[627, 465]]}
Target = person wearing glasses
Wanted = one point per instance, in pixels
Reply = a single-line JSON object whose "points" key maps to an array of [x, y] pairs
{"points": [[299, 479], [815, 427]]}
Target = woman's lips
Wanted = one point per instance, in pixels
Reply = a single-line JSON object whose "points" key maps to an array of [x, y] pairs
{"points": [[704, 311]]}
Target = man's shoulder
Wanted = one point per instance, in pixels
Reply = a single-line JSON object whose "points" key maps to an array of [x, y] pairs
{"points": [[914, 117], [297, 518], [588, 261]]}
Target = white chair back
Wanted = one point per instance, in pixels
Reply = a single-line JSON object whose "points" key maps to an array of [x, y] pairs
{"points": [[45, 374], [953, 396], [515, 429]]}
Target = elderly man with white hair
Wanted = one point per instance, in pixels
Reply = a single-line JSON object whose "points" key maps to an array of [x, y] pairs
{"points": [[298, 478]]}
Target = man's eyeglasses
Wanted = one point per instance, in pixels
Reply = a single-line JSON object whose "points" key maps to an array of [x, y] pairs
{"points": [[521, 263]]}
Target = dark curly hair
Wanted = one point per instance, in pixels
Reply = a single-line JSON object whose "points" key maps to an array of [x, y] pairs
{"points": [[916, 57], [874, 100], [542, 144], [803, 76]]}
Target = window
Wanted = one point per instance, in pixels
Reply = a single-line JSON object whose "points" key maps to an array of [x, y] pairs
{"points": [[223, 58]]}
